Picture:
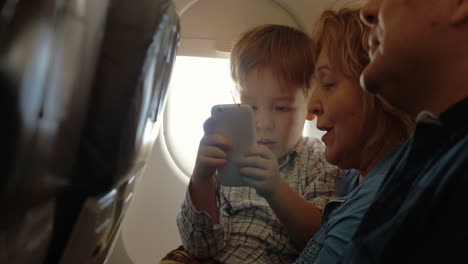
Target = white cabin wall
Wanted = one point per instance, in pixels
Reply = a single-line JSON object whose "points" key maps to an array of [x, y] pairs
{"points": [[210, 26], [150, 230]]}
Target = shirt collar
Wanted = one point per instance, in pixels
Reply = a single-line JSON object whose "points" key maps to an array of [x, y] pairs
{"points": [[291, 156], [286, 159], [383, 165], [454, 118]]}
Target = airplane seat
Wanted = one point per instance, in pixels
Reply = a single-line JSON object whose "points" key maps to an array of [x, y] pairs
{"points": [[128, 94], [45, 74]]}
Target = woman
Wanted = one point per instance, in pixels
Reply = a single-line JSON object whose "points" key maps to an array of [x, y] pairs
{"points": [[362, 132]]}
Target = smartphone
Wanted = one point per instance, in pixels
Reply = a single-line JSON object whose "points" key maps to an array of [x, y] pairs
{"points": [[235, 121]]}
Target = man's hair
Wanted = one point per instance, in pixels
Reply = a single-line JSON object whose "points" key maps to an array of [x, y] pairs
{"points": [[284, 50], [346, 37]]}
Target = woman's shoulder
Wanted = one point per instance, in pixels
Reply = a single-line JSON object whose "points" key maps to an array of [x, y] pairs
{"points": [[346, 182]]}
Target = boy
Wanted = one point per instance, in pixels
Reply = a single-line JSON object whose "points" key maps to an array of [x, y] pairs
{"points": [[287, 177]]}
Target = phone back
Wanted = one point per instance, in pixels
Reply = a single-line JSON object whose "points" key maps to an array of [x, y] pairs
{"points": [[235, 121]]}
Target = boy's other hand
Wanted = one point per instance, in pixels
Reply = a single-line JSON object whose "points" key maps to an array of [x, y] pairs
{"points": [[211, 153], [259, 168]]}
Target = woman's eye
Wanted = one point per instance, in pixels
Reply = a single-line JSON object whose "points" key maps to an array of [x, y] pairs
{"points": [[328, 86], [254, 107], [282, 108]]}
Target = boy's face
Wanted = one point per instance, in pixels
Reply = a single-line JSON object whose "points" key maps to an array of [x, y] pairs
{"points": [[280, 110], [406, 39]]}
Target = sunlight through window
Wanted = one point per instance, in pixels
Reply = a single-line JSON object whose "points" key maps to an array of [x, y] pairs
{"points": [[196, 85]]}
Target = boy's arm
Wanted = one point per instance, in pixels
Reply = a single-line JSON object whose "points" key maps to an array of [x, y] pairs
{"points": [[302, 214], [203, 196], [200, 236], [301, 218], [198, 221], [211, 155]]}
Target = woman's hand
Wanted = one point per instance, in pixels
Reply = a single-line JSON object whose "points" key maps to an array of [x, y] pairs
{"points": [[259, 169]]}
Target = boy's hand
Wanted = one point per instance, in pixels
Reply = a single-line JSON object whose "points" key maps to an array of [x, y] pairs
{"points": [[211, 153], [259, 168]]}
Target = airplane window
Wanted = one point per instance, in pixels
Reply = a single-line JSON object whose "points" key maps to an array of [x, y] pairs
{"points": [[197, 83]]}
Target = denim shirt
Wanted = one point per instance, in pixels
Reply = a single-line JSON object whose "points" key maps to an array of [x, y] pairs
{"points": [[419, 215], [342, 216]]}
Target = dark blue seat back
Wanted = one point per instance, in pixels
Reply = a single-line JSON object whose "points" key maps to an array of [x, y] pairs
{"points": [[45, 77]]}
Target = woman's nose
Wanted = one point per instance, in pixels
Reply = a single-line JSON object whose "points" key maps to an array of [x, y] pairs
{"points": [[314, 107], [369, 12]]}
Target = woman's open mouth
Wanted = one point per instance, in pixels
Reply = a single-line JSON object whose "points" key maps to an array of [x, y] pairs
{"points": [[327, 136]]}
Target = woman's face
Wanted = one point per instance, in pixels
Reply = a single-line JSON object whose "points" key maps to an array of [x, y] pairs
{"points": [[337, 100]]}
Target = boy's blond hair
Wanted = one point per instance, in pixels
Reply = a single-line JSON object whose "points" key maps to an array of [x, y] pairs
{"points": [[284, 50], [346, 37]]}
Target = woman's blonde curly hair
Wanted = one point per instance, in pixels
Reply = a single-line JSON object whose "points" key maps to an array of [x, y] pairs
{"points": [[346, 39]]}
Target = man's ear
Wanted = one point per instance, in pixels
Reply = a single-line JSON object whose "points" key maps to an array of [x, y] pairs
{"points": [[310, 116], [461, 12]]}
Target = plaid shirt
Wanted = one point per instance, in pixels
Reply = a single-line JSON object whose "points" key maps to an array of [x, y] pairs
{"points": [[249, 231]]}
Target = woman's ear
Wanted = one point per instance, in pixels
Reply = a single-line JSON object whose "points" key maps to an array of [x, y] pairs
{"points": [[310, 116], [460, 14]]}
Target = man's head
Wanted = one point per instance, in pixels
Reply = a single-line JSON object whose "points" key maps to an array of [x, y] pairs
{"points": [[272, 68], [418, 50]]}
